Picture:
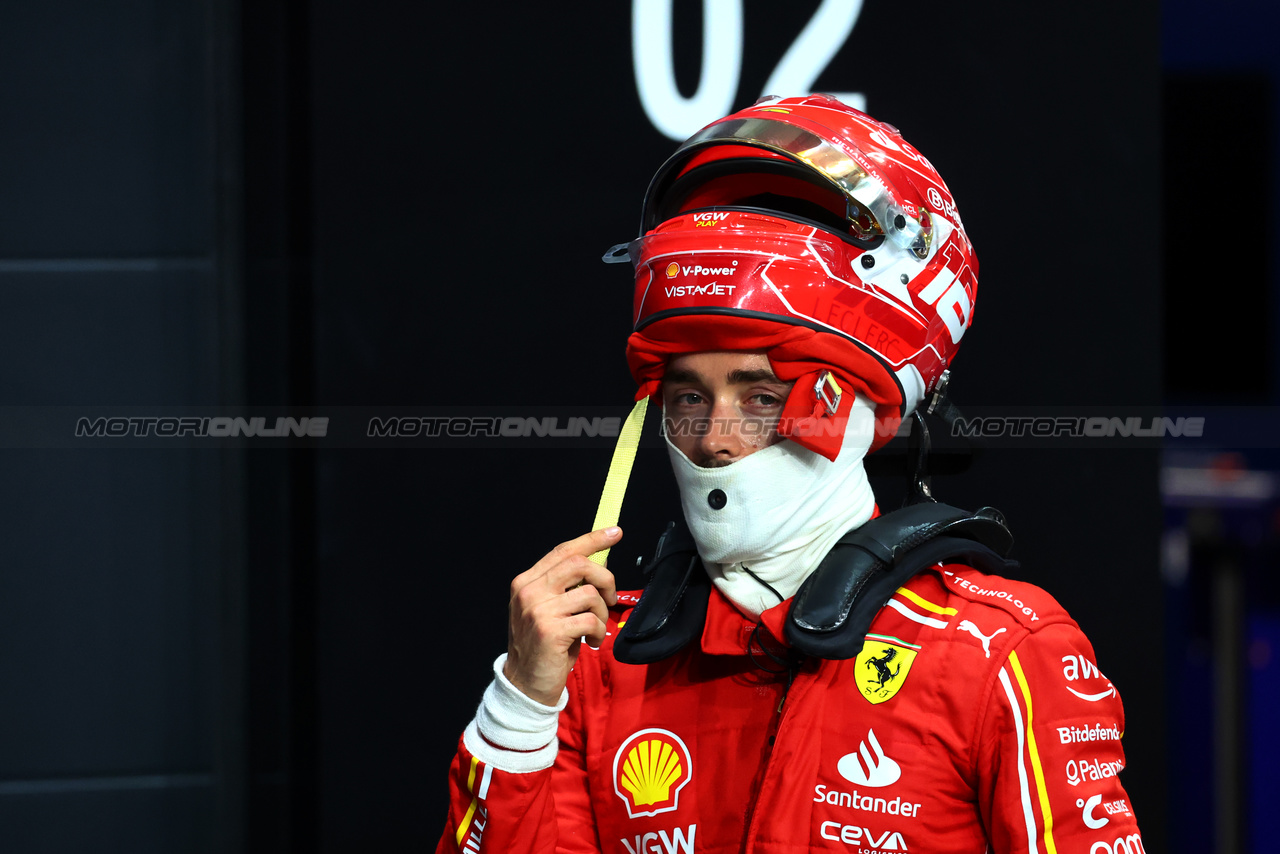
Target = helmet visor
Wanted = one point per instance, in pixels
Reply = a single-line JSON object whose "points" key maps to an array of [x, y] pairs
{"points": [[871, 209]]}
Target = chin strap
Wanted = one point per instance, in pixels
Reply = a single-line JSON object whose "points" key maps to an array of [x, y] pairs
{"points": [[615, 483], [919, 444]]}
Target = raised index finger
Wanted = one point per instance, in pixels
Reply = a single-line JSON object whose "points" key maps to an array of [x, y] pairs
{"points": [[585, 545]]}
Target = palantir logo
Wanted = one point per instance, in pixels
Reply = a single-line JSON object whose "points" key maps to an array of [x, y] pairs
{"points": [[869, 767], [649, 770]]}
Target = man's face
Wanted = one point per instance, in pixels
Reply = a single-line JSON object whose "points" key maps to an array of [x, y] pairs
{"points": [[722, 405]]}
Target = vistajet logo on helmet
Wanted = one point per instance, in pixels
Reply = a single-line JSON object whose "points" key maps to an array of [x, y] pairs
{"points": [[715, 288], [802, 282]]}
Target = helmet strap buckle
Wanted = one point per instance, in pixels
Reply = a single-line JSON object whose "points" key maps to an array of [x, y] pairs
{"points": [[828, 392], [939, 395], [919, 490]]}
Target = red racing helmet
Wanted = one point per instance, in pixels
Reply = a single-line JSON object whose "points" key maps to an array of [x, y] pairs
{"points": [[807, 229]]}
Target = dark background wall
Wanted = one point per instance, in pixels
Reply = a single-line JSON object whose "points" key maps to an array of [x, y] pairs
{"points": [[111, 294], [295, 207]]}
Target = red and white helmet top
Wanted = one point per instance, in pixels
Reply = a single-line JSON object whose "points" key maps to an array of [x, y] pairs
{"points": [[805, 228]]}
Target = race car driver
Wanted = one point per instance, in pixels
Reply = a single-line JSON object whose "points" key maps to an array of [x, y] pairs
{"points": [[803, 281]]}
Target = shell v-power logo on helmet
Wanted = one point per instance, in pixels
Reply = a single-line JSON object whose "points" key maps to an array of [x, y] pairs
{"points": [[649, 770], [673, 269]]}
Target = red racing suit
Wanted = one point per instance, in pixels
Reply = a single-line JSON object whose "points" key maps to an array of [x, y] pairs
{"points": [[974, 719]]}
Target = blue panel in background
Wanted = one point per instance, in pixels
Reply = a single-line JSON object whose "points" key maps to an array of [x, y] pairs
{"points": [[1190, 732], [1263, 733], [1225, 519]]}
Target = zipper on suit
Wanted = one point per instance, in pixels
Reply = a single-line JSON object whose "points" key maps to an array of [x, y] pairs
{"points": [[775, 726]]}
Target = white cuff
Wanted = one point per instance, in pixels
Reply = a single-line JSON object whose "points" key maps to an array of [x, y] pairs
{"points": [[512, 731]]}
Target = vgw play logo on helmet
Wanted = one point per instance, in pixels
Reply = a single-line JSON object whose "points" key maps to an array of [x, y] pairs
{"points": [[649, 770]]}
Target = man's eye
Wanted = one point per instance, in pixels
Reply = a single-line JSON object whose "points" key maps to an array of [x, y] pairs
{"points": [[689, 398], [764, 399]]}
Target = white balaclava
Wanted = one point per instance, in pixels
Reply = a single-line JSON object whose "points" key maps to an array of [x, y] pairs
{"points": [[783, 508]]}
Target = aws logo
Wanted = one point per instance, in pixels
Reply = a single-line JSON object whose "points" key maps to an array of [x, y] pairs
{"points": [[649, 770], [1077, 667]]}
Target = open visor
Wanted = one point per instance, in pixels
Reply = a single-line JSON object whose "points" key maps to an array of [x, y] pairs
{"points": [[870, 209]]}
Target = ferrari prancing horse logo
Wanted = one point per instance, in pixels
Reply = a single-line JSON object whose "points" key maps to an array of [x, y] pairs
{"points": [[883, 665]]}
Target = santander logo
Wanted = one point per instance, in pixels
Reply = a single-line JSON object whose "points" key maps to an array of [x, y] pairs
{"points": [[869, 767]]}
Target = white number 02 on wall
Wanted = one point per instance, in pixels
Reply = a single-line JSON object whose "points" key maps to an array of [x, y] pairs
{"points": [[678, 117]]}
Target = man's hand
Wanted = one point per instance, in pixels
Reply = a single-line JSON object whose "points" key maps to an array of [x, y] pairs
{"points": [[560, 600]]}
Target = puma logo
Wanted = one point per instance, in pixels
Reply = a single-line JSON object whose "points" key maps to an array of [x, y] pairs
{"points": [[966, 626]]}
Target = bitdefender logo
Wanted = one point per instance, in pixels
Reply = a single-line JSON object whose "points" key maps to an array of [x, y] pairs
{"points": [[1081, 735], [649, 770]]}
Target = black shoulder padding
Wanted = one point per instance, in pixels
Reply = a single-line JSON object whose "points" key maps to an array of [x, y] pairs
{"points": [[673, 607], [834, 608]]}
